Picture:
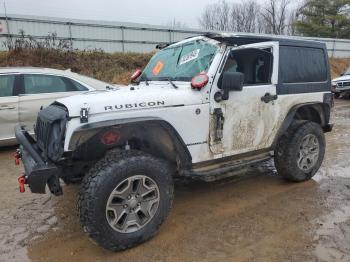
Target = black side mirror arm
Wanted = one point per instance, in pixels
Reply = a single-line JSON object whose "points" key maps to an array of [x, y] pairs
{"points": [[225, 94], [221, 95], [231, 81]]}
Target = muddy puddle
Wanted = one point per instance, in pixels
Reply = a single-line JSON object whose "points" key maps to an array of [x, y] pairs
{"points": [[255, 217]]}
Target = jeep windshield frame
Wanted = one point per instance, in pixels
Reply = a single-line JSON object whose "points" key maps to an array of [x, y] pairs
{"points": [[180, 62]]}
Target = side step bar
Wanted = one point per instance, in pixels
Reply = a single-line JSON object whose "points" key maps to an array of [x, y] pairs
{"points": [[223, 170]]}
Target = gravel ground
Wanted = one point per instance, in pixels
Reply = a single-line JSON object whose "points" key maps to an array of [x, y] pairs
{"points": [[255, 217]]}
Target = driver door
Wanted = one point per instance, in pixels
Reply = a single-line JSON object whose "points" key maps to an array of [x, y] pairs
{"points": [[245, 123]]}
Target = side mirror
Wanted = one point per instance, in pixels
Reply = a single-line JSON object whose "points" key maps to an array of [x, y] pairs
{"points": [[231, 81]]}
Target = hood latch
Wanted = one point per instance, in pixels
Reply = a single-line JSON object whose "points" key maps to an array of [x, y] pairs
{"points": [[84, 113]]}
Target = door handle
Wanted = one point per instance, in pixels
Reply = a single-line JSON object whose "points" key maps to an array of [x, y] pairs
{"points": [[6, 107], [268, 98]]}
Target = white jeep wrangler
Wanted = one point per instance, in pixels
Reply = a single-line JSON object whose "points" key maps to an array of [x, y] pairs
{"points": [[202, 108]]}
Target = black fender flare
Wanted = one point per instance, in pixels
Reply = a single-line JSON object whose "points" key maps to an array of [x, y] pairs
{"points": [[83, 134], [323, 109]]}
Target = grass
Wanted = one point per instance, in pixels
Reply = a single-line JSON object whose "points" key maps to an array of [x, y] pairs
{"points": [[338, 66], [113, 68]]}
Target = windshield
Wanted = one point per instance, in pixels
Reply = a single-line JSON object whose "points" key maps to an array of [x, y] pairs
{"points": [[347, 72], [180, 63]]}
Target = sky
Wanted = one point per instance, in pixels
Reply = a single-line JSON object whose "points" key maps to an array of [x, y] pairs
{"points": [[157, 12]]}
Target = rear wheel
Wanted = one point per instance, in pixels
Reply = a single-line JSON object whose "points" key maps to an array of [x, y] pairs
{"points": [[299, 153], [125, 198]]}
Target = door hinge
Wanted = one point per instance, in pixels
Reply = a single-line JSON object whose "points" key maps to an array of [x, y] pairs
{"points": [[219, 127]]}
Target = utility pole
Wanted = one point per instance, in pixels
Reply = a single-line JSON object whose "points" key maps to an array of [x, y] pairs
{"points": [[8, 42], [7, 22]]}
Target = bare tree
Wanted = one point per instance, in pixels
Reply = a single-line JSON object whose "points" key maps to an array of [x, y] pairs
{"points": [[291, 22], [274, 14], [272, 17], [244, 16], [207, 19], [223, 12], [216, 16]]}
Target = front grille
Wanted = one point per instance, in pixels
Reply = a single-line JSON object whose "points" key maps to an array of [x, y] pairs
{"points": [[42, 131], [343, 84]]}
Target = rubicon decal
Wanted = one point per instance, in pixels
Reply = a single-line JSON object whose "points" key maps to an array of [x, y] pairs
{"points": [[135, 105]]}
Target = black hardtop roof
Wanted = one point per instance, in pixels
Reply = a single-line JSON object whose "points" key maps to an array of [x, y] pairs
{"points": [[244, 39]]}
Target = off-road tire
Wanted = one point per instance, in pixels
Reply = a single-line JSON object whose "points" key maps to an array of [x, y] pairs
{"points": [[286, 152], [102, 179]]}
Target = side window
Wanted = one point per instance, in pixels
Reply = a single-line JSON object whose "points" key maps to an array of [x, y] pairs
{"points": [[75, 86], [6, 85], [255, 64], [231, 65], [301, 64], [261, 70], [37, 84]]}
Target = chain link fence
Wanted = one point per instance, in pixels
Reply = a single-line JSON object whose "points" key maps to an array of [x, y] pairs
{"points": [[116, 36]]}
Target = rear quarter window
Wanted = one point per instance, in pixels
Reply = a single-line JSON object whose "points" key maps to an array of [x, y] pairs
{"points": [[76, 86], [40, 83], [302, 65]]}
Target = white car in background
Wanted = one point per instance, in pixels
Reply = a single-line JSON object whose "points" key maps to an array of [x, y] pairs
{"points": [[24, 90], [341, 85]]}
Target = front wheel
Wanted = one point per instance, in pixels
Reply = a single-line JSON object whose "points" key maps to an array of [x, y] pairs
{"points": [[125, 198], [299, 153]]}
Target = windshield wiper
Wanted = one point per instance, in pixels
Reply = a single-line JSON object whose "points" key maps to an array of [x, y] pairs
{"points": [[172, 83], [144, 77]]}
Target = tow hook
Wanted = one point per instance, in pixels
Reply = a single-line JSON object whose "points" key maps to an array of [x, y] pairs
{"points": [[17, 156], [22, 180]]}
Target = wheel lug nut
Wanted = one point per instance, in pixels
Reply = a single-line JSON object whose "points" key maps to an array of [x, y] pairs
{"points": [[125, 206], [129, 196]]}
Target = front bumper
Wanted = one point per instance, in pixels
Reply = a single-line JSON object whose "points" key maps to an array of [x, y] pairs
{"points": [[38, 172], [336, 89]]}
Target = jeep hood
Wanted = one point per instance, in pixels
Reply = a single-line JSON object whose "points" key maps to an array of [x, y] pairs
{"points": [[132, 98]]}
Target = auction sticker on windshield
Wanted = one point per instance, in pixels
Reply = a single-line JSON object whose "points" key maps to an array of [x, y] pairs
{"points": [[158, 67], [189, 57]]}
